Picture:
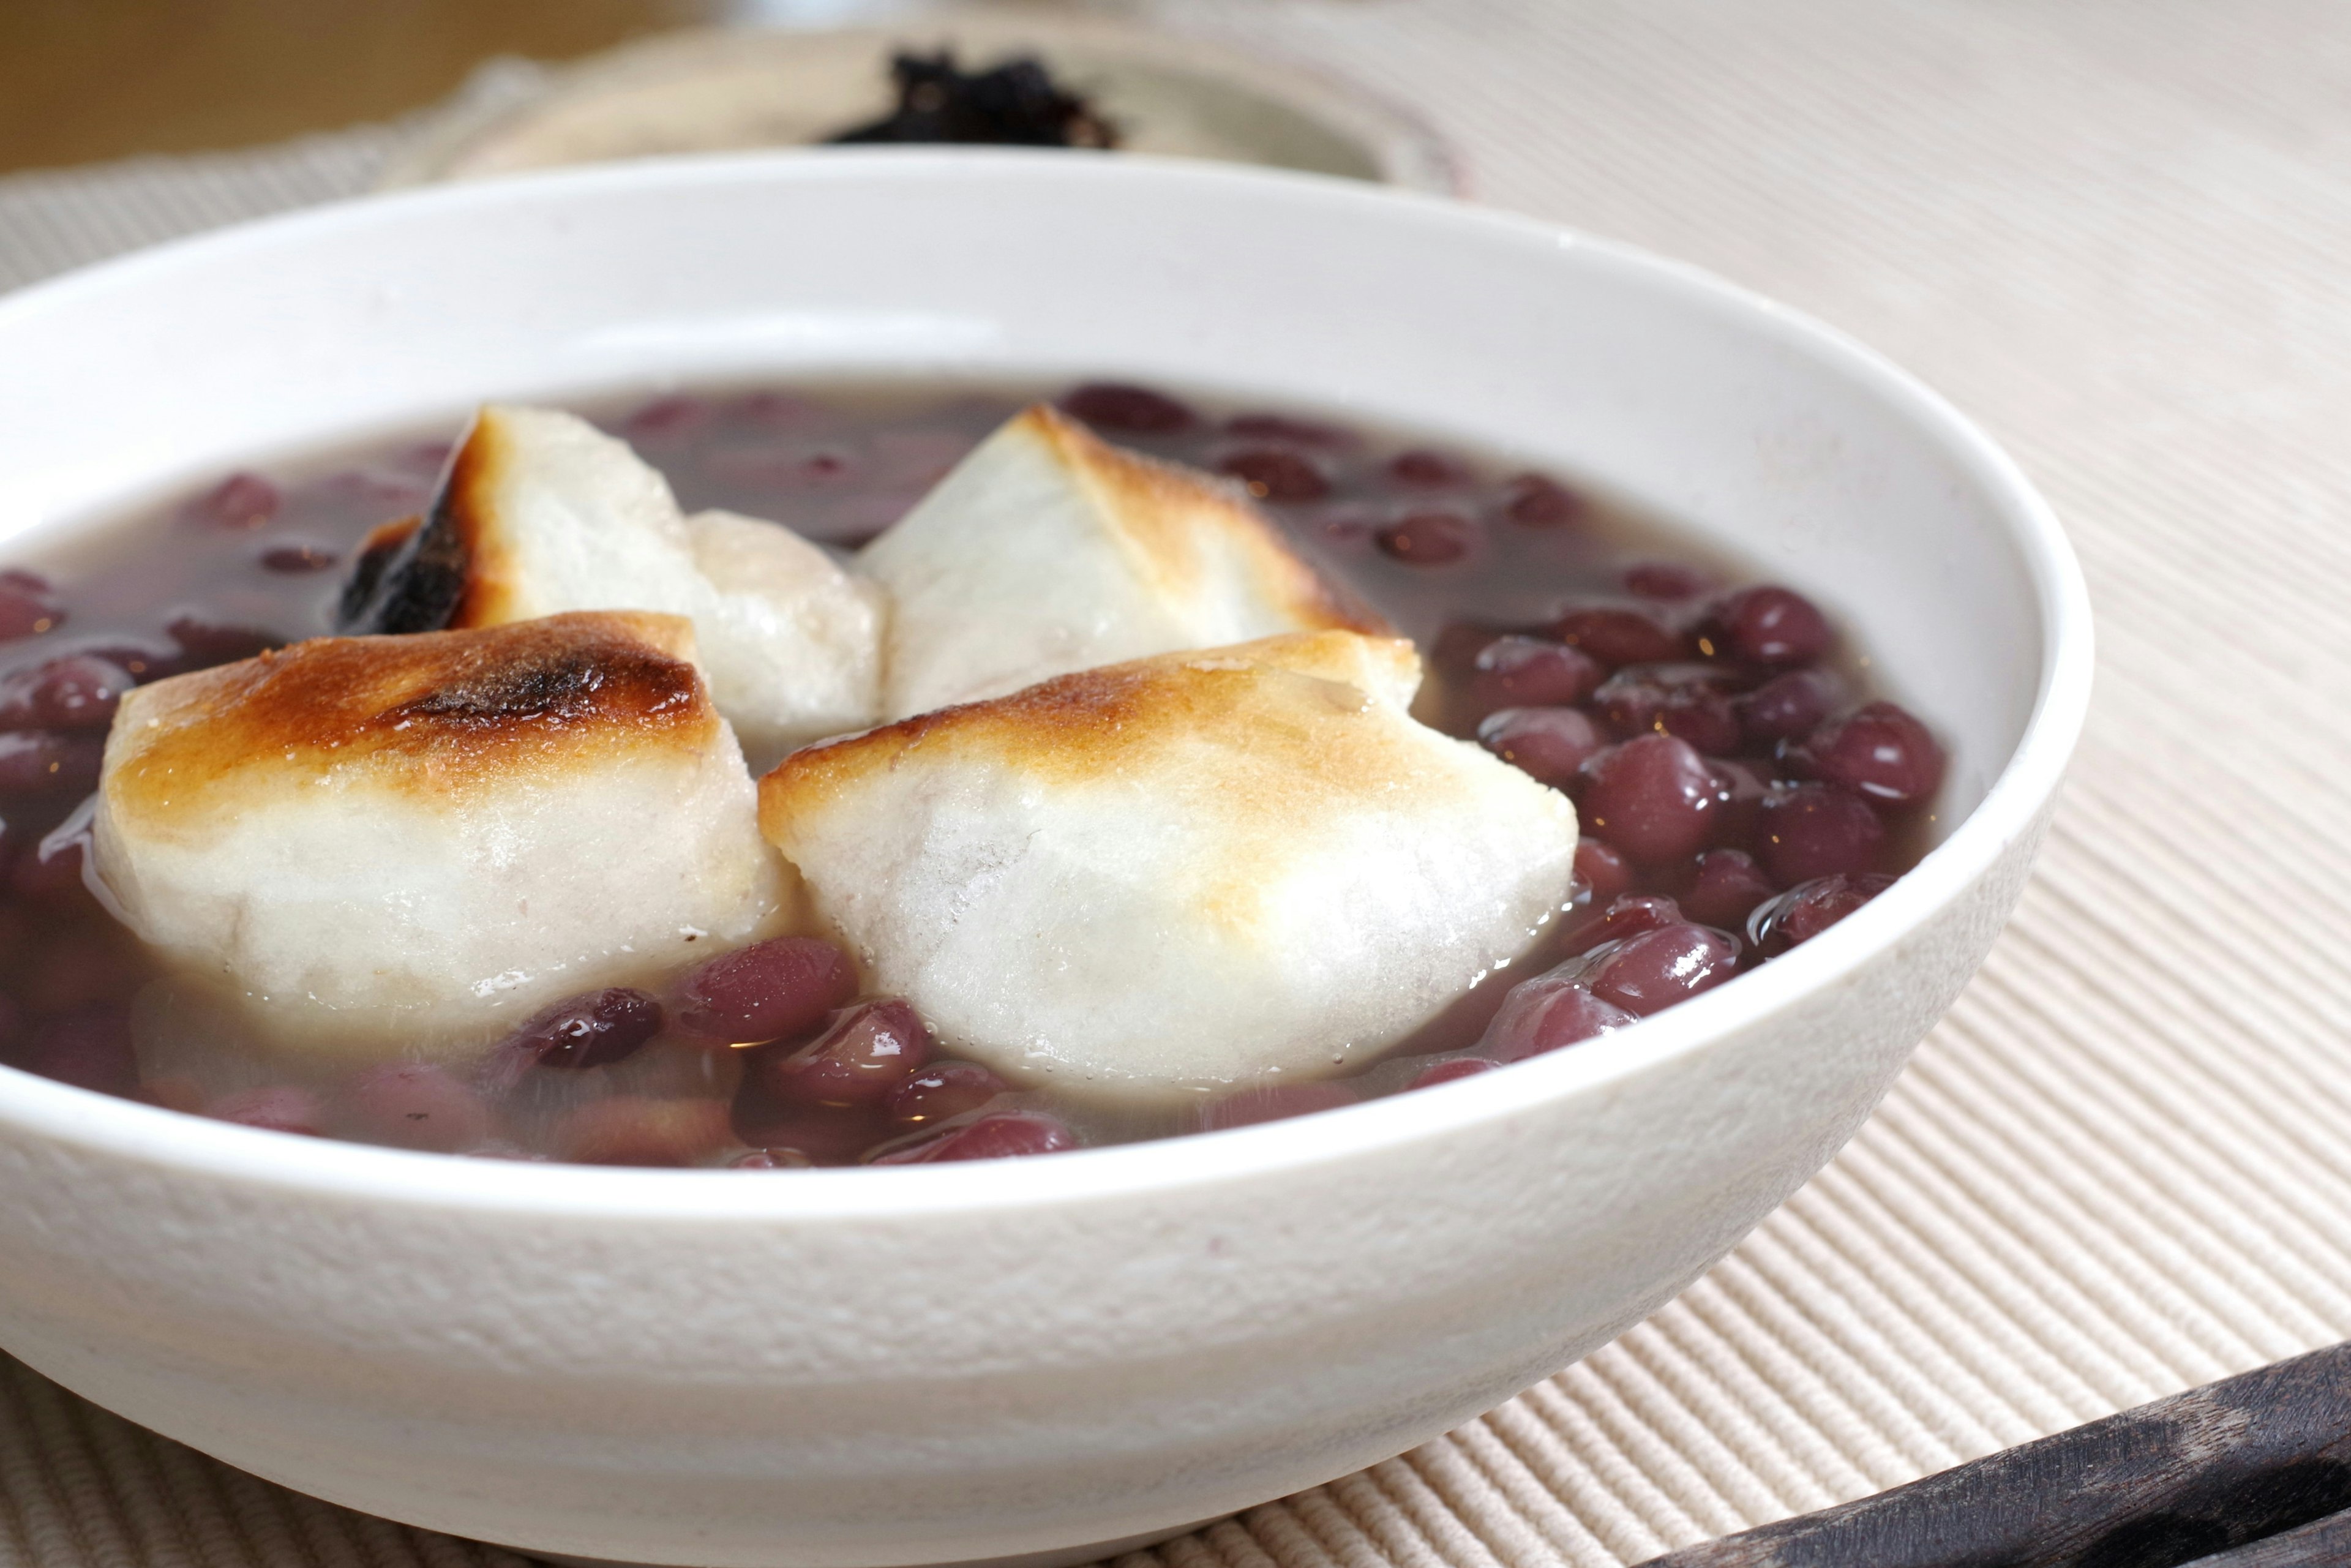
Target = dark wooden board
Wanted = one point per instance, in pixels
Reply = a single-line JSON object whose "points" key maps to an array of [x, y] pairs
{"points": [[2160, 1486], [2326, 1545]]}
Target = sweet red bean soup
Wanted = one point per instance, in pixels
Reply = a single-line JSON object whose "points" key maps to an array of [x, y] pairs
{"points": [[1738, 784]]}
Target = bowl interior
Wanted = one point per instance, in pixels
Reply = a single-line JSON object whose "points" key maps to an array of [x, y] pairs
{"points": [[1756, 432]]}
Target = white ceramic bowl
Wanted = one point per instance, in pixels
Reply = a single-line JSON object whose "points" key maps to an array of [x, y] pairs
{"points": [[942, 1363]]}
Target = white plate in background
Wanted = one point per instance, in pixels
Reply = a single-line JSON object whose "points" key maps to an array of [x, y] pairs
{"points": [[710, 90]]}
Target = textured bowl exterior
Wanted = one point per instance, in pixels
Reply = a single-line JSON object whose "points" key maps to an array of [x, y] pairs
{"points": [[861, 1368]]}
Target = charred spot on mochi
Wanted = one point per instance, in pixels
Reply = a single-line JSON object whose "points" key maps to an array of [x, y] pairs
{"points": [[414, 583], [359, 607], [556, 681], [530, 694], [415, 575]]}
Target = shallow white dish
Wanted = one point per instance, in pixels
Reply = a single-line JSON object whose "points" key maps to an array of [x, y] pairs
{"points": [[934, 1364], [733, 89]]}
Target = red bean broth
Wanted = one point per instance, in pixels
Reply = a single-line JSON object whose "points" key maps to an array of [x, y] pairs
{"points": [[1740, 790]]}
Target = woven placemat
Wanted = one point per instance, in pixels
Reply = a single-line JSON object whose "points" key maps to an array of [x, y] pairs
{"points": [[2112, 230]]}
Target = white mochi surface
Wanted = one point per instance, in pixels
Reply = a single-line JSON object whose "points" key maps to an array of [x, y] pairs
{"points": [[374, 844], [557, 515], [1180, 874], [1047, 550], [792, 642]]}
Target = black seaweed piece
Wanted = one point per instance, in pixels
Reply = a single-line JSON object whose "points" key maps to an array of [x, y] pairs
{"points": [[1014, 104], [408, 582]]}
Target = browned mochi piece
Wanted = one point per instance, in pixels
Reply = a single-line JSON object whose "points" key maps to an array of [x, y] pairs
{"points": [[542, 513], [1048, 550], [1180, 874], [409, 842], [539, 508]]}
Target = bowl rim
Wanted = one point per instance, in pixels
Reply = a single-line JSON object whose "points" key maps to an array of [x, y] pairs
{"points": [[99, 1124]]}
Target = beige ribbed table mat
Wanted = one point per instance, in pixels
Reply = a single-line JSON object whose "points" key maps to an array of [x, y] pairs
{"points": [[2119, 232]]}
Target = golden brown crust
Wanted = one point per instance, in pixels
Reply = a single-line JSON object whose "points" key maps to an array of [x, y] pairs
{"points": [[465, 506], [1163, 509], [427, 712], [1279, 708], [451, 567]]}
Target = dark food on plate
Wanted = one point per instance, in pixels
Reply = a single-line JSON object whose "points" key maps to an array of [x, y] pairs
{"points": [[1014, 104], [1108, 789]]}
